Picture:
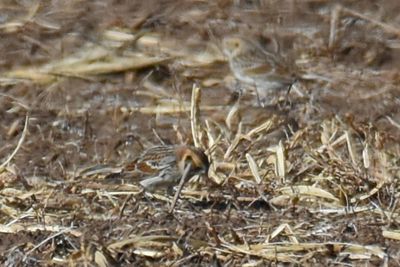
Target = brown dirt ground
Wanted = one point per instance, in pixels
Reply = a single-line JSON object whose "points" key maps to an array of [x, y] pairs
{"points": [[64, 201]]}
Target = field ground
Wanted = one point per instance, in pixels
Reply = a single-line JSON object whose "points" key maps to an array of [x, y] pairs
{"points": [[308, 178]]}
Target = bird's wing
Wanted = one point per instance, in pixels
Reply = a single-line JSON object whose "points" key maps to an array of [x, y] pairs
{"points": [[167, 177]]}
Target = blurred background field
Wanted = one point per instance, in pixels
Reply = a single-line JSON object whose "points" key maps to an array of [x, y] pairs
{"points": [[310, 179]]}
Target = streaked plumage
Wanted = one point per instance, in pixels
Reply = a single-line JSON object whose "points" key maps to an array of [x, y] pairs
{"points": [[164, 165], [251, 64]]}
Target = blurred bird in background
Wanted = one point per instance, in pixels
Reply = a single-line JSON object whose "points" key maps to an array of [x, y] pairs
{"points": [[252, 64]]}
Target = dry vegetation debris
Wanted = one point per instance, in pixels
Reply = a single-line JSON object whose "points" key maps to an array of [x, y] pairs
{"points": [[311, 178]]}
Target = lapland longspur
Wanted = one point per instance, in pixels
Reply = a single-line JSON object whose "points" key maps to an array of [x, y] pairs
{"points": [[252, 64], [165, 165]]}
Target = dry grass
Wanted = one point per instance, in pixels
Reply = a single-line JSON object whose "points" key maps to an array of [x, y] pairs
{"points": [[308, 180]]}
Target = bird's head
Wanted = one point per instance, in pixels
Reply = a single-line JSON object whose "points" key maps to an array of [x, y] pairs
{"points": [[233, 46], [195, 156]]}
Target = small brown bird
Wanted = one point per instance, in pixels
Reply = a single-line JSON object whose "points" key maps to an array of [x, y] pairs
{"points": [[165, 165], [252, 64]]}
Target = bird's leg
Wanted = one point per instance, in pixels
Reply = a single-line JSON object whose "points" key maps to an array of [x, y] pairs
{"points": [[184, 177], [238, 88], [287, 100], [259, 100], [237, 93]]}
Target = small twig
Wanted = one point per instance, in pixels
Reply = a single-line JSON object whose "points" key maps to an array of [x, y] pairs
{"points": [[44, 47], [387, 27], [194, 114], [181, 184], [254, 170], [335, 14], [158, 137], [232, 112], [393, 122], [17, 101], [20, 141], [280, 161], [45, 241], [121, 211]]}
